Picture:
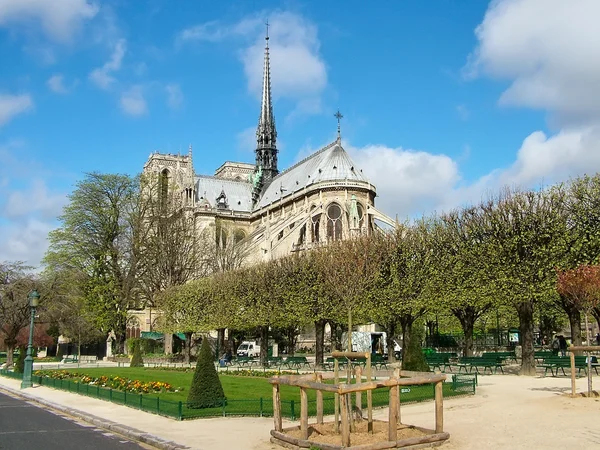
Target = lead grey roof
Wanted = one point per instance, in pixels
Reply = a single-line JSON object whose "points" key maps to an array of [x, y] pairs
{"points": [[238, 193], [331, 163]]}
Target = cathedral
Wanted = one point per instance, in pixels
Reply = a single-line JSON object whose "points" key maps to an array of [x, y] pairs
{"points": [[322, 198]]}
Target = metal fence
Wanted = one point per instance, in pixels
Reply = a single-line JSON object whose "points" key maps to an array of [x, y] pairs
{"points": [[460, 385]]}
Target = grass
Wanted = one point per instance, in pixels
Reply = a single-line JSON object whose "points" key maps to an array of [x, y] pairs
{"points": [[246, 396]]}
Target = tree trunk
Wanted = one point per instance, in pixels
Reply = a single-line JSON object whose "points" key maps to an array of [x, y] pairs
{"points": [[336, 343], [188, 347], [406, 322], [467, 317], [10, 348], [319, 342], [221, 342], [264, 345], [390, 331], [574, 319], [525, 312], [575, 322]]}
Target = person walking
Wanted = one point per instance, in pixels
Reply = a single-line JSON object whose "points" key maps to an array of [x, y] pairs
{"points": [[562, 345], [555, 346]]}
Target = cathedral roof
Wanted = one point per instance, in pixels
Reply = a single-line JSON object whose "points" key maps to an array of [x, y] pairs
{"points": [[331, 163], [238, 194]]}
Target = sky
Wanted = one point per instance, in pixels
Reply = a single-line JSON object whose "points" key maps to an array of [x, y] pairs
{"points": [[444, 101]]}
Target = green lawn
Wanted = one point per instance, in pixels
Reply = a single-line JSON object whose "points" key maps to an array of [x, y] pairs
{"points": [[246, 396]]}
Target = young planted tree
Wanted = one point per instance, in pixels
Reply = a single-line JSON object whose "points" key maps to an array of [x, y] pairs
{"points": [[582, 287], [349, 269], [206, 390]]}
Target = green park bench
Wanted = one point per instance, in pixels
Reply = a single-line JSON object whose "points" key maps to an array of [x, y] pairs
{"points": [[556, 363], [275, 361], [378, 361], [296, 362], [541, 355], [244, 361], [438, 360], [503, 355], [474, 363]]}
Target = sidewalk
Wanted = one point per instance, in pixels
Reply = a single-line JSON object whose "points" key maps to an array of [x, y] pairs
{"points": [[508, 411], [204, 434]]}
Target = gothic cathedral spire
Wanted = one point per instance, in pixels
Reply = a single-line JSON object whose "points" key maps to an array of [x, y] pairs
{"points": [[266, 134]]}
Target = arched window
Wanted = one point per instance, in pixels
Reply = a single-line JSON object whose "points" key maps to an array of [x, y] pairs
{"points": [[302, 235], [133, 328], [163, 187], [334, 222], [316, 222], [361, 215]]}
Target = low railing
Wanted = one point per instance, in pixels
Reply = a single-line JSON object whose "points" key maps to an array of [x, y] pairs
{"points": [[461, 385]]}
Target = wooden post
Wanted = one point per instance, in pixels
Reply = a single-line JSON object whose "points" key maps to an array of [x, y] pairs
{"points": [[397, 375], [345, 424], [439, 407], [358, 378], [336, 380], [304, 413], [573, 388], [319, 400], [393, 415], [276, 407], [369, 398]]}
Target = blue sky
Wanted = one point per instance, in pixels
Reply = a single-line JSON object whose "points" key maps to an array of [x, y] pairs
{"points": [[443, 101]]}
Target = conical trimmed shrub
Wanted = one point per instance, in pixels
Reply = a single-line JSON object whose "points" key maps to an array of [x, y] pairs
{"points": [[136, 358], [206, 390], [20, 364]]}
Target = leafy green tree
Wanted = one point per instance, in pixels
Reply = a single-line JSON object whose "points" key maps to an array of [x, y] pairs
{"points": [[16, 282], [206, 390], [526, 231], [463, 283], [97, 238]]}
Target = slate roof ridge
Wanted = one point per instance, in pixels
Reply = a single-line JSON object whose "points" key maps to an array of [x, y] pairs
{"points": [[212, 177], [312, 155]]}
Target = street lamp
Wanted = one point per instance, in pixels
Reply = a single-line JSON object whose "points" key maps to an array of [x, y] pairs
{"points": [[34, 301]]}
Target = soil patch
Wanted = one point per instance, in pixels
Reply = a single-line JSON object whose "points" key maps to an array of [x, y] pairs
{"points": [[325, 433]]}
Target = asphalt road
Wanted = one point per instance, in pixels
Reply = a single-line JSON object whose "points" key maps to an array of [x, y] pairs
{"points": [[25, 426]]}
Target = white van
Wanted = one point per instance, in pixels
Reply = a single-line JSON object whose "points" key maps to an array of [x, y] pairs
{"points": [[249, 348]]}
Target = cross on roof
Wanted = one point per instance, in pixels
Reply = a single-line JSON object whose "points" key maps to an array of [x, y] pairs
{"points": [[338, 115]]}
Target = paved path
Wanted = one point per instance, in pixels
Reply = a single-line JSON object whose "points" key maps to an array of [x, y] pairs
{"points": [[23, 425]]}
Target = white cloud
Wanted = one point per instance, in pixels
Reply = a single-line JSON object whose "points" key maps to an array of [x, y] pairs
{"points": [[28, 206], [174, 95], [298, 71], [25, 241], [408, 181], [133, 101], [246, 139], [102, 76], [548, 50], [56, 84], [59, 19], [36, 199], [12, 105]]}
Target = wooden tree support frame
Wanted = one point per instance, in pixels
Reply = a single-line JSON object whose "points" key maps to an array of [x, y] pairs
{"points": [[588, 349], [343, 419]]}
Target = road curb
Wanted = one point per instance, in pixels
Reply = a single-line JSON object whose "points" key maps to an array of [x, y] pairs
{"points": [[132, 433]]}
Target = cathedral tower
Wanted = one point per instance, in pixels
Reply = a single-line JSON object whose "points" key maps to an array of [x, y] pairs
{"points": [[266, 134]]}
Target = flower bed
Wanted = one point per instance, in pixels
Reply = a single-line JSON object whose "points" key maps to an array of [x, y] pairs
{"points": [[112, 382]]}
